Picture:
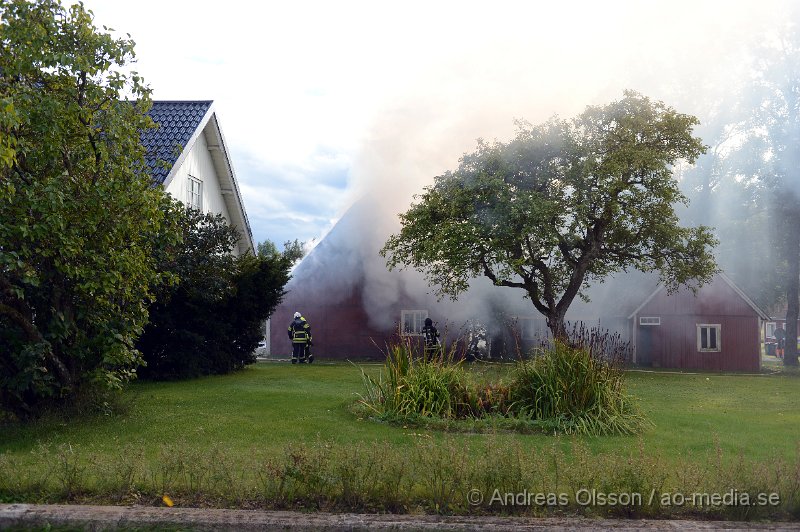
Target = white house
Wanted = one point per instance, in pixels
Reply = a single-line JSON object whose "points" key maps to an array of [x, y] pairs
{"points": [[188, 156]]}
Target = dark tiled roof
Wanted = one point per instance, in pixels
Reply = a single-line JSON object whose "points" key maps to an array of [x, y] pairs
{"points": [[177, 121]]}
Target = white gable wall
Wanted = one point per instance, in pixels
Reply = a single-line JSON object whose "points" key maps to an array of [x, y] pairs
{"points": [[198, 164]]}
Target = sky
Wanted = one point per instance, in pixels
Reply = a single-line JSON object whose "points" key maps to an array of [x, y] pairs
{"points": [[323, 101]]}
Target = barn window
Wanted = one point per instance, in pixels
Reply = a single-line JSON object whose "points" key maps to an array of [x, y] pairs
{"points": [[412, 321], [654, 320], [195, 194], [709, 337]]}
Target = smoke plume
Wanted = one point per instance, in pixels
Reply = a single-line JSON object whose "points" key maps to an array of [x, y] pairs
{"points": [[527, 61]]}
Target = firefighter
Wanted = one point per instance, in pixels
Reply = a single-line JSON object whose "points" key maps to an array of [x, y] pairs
{"points": [[431, 337], [780, 338], [300, 336]]}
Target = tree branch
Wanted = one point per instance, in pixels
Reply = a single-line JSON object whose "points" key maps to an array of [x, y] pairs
{"points": [[32, 333]]}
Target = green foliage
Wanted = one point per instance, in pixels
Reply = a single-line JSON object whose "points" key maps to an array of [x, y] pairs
{"points": [[414, 386], [562, 204], [78, 215], [584, 394], [211, 320], [564, 389], [293, 251]]}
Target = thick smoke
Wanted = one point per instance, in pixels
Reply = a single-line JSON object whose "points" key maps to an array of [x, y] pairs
{"points": [[546, 61]]}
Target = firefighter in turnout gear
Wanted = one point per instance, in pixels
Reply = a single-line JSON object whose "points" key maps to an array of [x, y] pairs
{"points": [[300, 335], [431, 336]]}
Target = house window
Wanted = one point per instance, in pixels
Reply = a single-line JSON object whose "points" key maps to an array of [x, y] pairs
{"points": [[770, 329], [195, 193], [650, 320], [412, 322], [709, 337]]}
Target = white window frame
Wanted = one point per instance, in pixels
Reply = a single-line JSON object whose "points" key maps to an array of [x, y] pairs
{"points": [[412, 322], [769, 329], [709, 326], [650, 320], [194, 193]]}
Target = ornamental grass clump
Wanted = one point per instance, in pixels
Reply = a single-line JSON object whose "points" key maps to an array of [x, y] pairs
{"points": [[412, 385], [581, 393], [565, 389]]}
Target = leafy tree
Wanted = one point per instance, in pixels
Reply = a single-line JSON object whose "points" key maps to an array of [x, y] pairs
{"points": [[726, 192], [772, 153], [293, 250], [78, 214], [212, 319], [562, 204]]}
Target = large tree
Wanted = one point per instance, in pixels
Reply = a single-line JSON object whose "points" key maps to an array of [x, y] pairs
{"points": [[772, 149], [562, 204], [78, 214]]}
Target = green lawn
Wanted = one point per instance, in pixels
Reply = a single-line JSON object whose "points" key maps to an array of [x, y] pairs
{"points": [[272, 406], [268, 410], [756, 416]]}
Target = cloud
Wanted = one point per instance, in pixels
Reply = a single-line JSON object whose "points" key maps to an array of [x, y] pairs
{"points": [[288, 202]]}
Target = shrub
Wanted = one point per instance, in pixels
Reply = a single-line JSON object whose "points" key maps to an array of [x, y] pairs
{"points": [[414, 386], [79, 216], [211, 320], [585, 394], [564, 389]]}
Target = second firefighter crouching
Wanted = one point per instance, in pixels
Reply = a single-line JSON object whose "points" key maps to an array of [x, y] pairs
{"points": [[300, 336]]}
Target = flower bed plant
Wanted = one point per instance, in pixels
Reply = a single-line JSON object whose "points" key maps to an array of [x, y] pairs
{"points": [[562, 388]]}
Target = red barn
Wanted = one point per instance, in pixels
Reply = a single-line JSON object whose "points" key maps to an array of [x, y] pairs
{"points": [[340, 326], [718, 329], [355, 306]]}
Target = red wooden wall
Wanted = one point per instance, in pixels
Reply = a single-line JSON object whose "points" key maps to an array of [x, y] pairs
{"points": [[674, 341], [340, 330]]}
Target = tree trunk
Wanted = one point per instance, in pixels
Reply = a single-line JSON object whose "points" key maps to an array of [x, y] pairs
{"points": [[792, 297], [555, 322]]}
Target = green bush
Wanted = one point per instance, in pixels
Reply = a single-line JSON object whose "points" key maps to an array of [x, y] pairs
{"points": [[585, 394], [212, 319], [79, 216], [563, 389], [415, 386]]}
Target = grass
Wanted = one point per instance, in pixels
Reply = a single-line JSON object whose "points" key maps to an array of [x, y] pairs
{"points": [[585, 392], [266, 406], [754, 415], [563, 389], [276, 435]]}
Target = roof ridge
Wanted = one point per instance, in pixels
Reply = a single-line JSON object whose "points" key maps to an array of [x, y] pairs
{"points": [[727, 280]]}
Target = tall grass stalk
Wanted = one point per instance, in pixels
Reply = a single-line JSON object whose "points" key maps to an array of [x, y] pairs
{"points": [[585, 394], [411, 385], [430, 476], [564, 389]]}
